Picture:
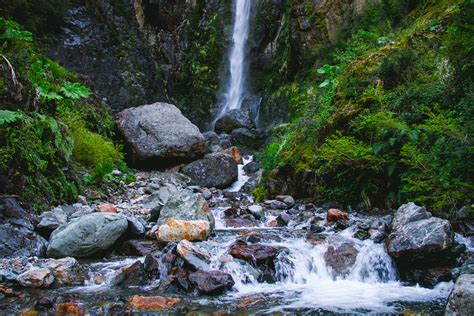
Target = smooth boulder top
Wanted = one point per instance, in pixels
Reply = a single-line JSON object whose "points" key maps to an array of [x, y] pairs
{"points": [[87, 236], [160, 133]]}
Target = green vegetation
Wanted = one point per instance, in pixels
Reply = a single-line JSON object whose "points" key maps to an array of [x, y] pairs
{"points": [[385, 114], [51, 126]]}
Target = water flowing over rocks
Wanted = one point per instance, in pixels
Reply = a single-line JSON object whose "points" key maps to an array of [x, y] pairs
{"points": [[86, 236], [152, 303], [196, 257], [217, 170], [158, 134]]}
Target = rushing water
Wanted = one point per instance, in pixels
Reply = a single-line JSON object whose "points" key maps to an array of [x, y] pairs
{"points": [[303, 281], [235, 89]]}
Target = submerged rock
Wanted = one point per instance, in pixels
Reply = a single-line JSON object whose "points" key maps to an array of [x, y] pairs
{"points": [[341, 254], [177, 230], [152, 303], [233, 119], [211, 282], [159, 133], [418, 239], [217, 170], [86, 236], [461, 300], [240, 222]]}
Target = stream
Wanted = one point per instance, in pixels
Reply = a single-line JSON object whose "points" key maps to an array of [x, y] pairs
{"points": [[301, 280]]}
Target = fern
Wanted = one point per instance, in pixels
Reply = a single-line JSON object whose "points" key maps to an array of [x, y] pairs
{"points": [[7, 117], [74, 90]]}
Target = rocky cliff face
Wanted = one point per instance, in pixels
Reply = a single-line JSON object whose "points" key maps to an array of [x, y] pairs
{"points": [[102, 41], [142, 51]]}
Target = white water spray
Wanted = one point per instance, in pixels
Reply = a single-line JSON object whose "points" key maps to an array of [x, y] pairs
{"points": [[235, 90]]}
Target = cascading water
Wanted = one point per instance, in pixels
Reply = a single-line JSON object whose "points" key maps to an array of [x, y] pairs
{"points": [[236, 86]]}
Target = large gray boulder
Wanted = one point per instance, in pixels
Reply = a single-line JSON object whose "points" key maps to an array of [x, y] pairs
{"points": [[159, 134], [233, 119], [185, 205], [418, 239], [217, 170], [461, 300], [17, 235], [86, 236]]}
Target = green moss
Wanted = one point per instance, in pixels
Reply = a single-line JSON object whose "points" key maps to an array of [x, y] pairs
{"points": [[390, 121], [50, 125]]}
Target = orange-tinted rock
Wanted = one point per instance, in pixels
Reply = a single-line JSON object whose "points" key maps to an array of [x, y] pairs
{"points": [[152, 302], [36, 278], [272, 223], [107, 207], [234, 152], [29, 312], [335, 215], [70, 309], [177, 230]]}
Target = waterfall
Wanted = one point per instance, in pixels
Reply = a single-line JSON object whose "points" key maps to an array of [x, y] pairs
{"points": [[236, 86]]}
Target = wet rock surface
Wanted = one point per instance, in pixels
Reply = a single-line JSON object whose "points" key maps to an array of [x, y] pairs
{"points": [[232, 120]]}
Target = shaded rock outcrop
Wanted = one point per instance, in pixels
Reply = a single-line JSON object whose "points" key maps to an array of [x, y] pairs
{"points": [[461, 300], [158, 135], [17, 235]]}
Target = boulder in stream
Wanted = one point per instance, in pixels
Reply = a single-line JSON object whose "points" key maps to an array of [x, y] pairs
{"points": [[86, 236], [185, 205], [198, 258], [131, 275], [233, 119], [340, 255], [158, 133], [418, 239], [177, 230], [461, 300], [66, 271], [217, 170], [211, 282]]}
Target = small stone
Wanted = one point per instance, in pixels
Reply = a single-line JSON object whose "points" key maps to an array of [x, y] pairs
{"points": [[335, 215], [152, 303], [257, 211], [240, 222], [36, 278], [211, 282], [283, 219], [71, 309], [196, 257], [107, 207], [287, 199], [177, 230], [131, 275], [234, 152]]}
